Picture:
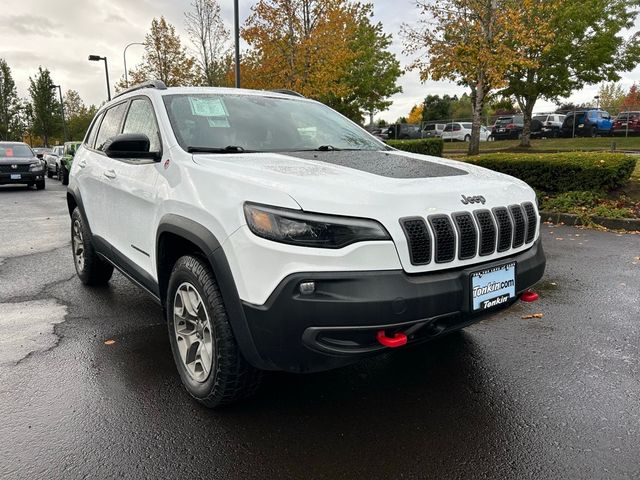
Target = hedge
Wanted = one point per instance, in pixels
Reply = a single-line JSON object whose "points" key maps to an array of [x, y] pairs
{"points": [[424, 146], [562, 172]]}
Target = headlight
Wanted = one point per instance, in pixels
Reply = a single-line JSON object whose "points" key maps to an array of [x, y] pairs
{"points": [[310, 229], [34, 167]]}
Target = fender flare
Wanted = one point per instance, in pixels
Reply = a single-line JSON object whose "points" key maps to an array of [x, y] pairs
{"points": [[211, 247]]}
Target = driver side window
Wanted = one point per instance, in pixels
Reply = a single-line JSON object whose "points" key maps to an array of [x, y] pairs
{"points": [[110, 125]]}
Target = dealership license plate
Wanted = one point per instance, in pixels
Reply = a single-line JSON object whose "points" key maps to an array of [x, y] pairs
{"points": [[493, 286], [502, 130], [15, 176]]}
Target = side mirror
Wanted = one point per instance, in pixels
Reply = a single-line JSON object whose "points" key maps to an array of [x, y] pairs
{"points": [[39, 155], [129, 145]]}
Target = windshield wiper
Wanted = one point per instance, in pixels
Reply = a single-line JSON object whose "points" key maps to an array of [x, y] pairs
{"points": [[227, 149]]}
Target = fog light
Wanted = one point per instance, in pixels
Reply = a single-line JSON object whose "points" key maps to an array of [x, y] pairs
{"points": [[307, 288]]}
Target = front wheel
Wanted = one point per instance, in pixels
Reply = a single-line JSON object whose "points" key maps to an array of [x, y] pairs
{"points": [[594, 132], [205, 351], [467, 138], [40, 185], [91, 269]]}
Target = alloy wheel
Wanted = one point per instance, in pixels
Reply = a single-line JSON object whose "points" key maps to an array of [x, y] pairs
{"points": [[194, 335], [77, 241]]}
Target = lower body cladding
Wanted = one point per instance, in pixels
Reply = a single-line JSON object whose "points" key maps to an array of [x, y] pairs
{"points": [[335, 319]]}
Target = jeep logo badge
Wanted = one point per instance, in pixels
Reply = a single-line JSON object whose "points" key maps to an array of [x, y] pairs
{"points": [[14, 167], [476, 199]]}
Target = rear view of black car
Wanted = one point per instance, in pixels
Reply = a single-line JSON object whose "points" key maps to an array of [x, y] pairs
{"points": [[508, 127], [20, 165]]}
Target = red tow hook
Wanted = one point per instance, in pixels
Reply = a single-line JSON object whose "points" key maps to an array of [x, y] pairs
{"points": [[398, 340], [529, 296]]}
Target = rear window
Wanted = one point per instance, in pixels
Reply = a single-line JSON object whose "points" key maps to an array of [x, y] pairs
{"points": [[11, 151], [504, 120], [540, 118], [466, 126]]}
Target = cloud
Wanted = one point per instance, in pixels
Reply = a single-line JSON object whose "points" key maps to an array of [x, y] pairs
{"points": [[25, 24]]}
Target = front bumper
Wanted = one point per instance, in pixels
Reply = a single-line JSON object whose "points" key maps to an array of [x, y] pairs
{"points": [[24, 177], [337, 324]]}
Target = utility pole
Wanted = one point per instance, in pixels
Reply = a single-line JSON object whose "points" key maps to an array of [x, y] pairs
{"points": [[236, 21]]}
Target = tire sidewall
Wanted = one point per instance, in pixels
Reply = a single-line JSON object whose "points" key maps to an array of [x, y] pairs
{"points": [[182, 274]]}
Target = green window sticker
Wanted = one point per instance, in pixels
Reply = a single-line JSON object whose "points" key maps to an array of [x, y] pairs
{"points": [[208, 107]]}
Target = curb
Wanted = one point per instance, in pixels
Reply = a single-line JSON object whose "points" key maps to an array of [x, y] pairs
{"points": [[629, 224]]}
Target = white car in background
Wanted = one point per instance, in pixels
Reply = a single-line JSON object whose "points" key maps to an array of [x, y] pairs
{"points": [[462, 132]]}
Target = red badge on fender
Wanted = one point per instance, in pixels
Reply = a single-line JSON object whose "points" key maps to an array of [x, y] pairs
{"points": [[166, 163]]}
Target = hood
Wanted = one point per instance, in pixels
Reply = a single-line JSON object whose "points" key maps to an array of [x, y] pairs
{"points": [[389, 184]]}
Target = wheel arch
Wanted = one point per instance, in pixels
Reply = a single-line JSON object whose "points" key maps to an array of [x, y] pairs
{"points": [[177, 236]]}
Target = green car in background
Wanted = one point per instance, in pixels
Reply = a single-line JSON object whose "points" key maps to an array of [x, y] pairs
{"points": [[66, 160]]}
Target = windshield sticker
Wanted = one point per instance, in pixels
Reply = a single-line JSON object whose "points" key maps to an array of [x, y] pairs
{"points": [[208, 107], [220, 122]]}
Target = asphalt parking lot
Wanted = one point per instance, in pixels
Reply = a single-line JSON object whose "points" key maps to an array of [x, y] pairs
{"points": [[510, 397]]}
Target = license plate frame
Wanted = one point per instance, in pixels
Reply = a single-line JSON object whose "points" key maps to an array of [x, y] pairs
{"points": [[16, 176], [493, 286]]}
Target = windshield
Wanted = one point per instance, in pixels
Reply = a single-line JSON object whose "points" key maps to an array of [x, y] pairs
{"points": [[10, 151], [255, 123]]}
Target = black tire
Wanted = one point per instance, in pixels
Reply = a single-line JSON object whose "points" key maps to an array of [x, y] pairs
{"points": [[63, 175], [49, 174], [40, 185], [230, 377], [92, 270], [467, 138], [594, 131]]}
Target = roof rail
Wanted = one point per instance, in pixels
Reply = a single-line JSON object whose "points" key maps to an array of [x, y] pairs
{"points": [[157, 84], [288, 92]]}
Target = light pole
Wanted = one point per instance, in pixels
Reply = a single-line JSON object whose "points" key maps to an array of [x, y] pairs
{"points": [[597, 99], [64, 124], [236, 22], [97, 58], [124, 56]]}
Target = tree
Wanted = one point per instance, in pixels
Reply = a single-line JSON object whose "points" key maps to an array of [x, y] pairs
{"points": [[78, 115], [611, 95], [9, 103], [164, 59], [371, 76], [208, 33], [632, 99], [45, 108], [471, 42], [586, 47], [300, 45], [437, 108], [415, 115]]}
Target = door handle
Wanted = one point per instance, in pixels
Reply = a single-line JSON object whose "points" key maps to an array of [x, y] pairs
{"points": [[110, 174], [82, 163]]}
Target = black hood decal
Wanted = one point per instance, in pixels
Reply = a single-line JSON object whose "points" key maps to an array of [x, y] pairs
{"points": [[382, 163]]}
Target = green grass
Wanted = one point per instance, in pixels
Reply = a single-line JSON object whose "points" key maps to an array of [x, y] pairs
{"points": [[554, 145]]}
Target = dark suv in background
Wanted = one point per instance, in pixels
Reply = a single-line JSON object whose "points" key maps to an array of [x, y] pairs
{"points": [[586, 123], [508, 127], [19, 164], [403, 131]]}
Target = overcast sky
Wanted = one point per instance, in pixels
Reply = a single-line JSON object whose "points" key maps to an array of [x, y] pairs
{"points": [[60, 34]]}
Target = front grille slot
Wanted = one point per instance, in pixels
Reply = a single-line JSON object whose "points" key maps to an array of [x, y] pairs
{"points": [[20, 168], [532, 222], [519, 226], [504, 228], [419, 240], [445, 238], [487, 232], [467, 235]]}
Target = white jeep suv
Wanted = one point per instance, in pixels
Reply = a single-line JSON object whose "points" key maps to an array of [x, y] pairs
{"points": [[278, 235]]}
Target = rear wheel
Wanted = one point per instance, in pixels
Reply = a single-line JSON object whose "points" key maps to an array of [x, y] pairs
{"points": [[63, 175], [594, 131], [205, 351], [467, 138], [91, 269], [49, 174]]}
